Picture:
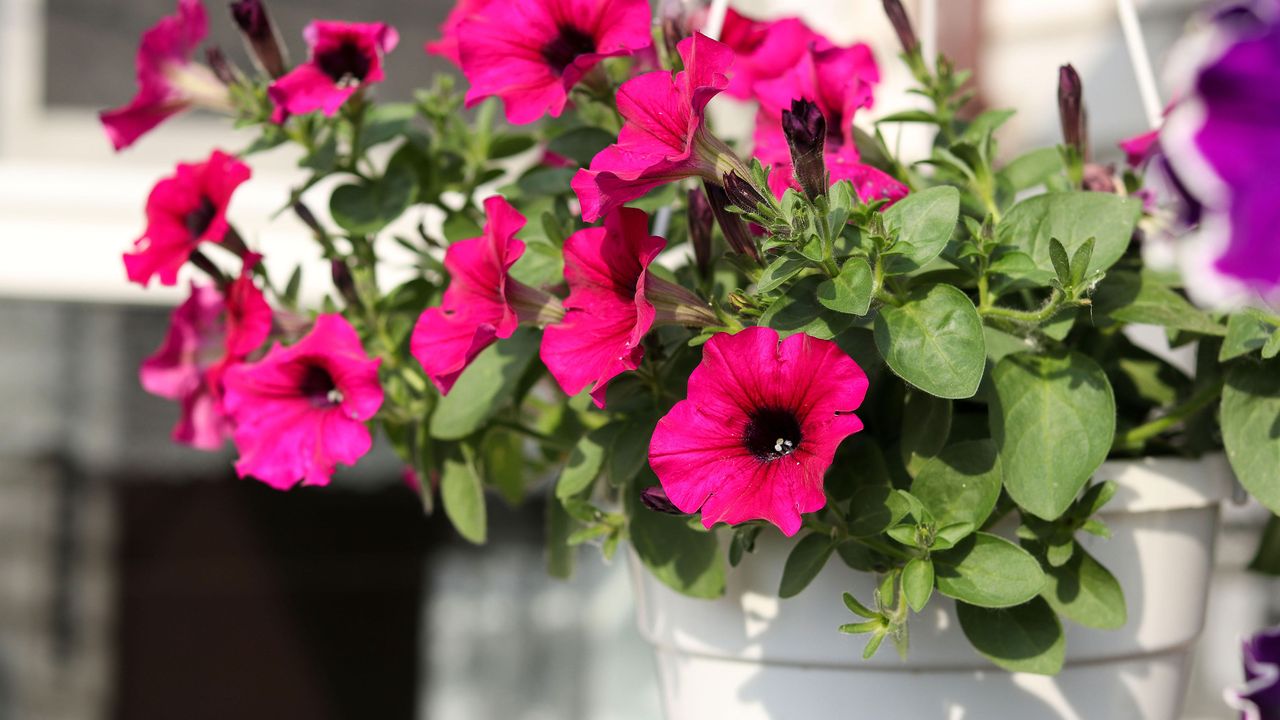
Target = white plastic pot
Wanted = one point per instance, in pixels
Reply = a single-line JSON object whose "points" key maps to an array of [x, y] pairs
{"points": [[751, 656]]}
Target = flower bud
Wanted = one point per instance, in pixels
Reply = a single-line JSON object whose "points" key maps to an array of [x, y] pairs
{"points": [[1099, 178], [902, 26], [1075, 132], [701, 222], [734, 229], [673, 23], [655, 498], [806, 131], [219, 64], [344, 282], [260, 36], [740, 193]]}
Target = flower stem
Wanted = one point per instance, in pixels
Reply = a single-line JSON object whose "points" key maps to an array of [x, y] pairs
{"points": [[1135, 438]]}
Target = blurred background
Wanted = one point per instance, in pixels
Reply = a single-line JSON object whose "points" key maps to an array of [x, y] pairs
{"points": [[142, 580]]}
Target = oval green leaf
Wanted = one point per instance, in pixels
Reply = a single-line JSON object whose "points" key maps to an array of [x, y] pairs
{"points": [[1085, 592], [804, 563], [1072, 218], [1026, 638], [961, 485], [988, 571], [934, 341], [485, 386], [1251, 428], [924, 222], [1053, 419]]}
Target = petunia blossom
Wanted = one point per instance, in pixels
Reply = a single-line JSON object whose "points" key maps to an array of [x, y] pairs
{"points": [[447, 45], [1223, 140], [764, 49], [183, 210], [531, 53], [613, 302], [302, 409], [344, 57], [1259, 697], [483, 302], [208, 333], [758, 429], [663, 138], [840, 82], [169, 82]]}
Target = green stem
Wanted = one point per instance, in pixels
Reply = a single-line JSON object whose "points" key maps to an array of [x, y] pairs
{"points": [[529, 432], [1056, 302], [1135, 438]]}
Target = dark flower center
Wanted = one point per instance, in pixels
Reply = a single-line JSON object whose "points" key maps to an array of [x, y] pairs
{"points": [[199, 219], [772, 433], [566, 46], [317, 386], [344, 63]]}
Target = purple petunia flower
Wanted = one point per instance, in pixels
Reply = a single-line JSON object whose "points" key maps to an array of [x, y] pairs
{"points": [[1259, 697]]}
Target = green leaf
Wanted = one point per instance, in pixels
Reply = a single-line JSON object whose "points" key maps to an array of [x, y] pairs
{"points": [[581, 144], [923, 222], [910, 116], [961, 485], [1272, 348], [1251, 428], [1061, 264], [484, 387], [507, 144], [1032, 169], [779, 271], [934, 341], [463, 497], [1080, 262], [917, 582], [804, 563], [1141, 298], [1247, 331], [874, 509], [502, 460], [1072, 218], [988, 571], [1085, 592], [560, 526], [686, 560], [367, 207], [926, 422], [585, 462], [858, 608], [1026, 638], [386, 121], [542, 180], [799, 311], [1053, 419], [629, 452], [850, 291]]}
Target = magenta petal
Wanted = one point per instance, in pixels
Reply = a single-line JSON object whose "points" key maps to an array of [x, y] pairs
{"points": [[659, 141], [301, 410], [306, 89], [474, 311], [343, 57], [764, 49], [607, 314], [759, 428], [558, 42]]}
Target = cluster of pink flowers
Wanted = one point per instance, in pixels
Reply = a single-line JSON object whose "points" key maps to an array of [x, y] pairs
{"points": [[763, 416]]}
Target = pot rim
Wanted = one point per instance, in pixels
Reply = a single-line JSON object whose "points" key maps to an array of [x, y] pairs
{"points": [[1164, 483]]}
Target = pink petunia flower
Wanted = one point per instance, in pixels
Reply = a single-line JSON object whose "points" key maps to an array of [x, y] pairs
{"points": [[302, 409], [208, 333], [764, 49], [664, 137], [168, 81], [531, 53], [483, 302], [613, 302], [344, 57], [183, 210], [758, 429], [840, 82], [447, 46]]}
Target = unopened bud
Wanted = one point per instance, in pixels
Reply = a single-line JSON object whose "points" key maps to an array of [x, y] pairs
{"points": [[806, 131], [673, 22], [735, 230], [260, 36], [1071, 110], [741, 193], [902, 26], [1099, 178], [219, 64], [655, 498], [701, 222], [344, 282]]}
